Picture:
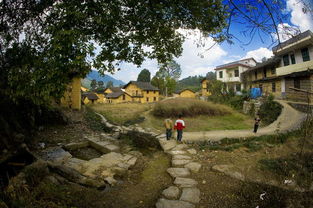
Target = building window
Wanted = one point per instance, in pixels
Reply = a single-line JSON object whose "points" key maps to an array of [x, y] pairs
{"points": [[264, 73], [292, 58], [154, 98], [305, 54], [273, 87], [147, 99], [136, 92], [286, 60], [296, 83], [238, 87], [147, 92], [255, 75], [221, 74], [273, 70], [236, 73], [124, 97]]}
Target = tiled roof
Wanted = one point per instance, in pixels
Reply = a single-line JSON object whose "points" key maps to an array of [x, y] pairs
{"points": [[114, 94], [234, 63], [268, 62], [180, 91], [143, 85], [90, 96], [303, 35]]}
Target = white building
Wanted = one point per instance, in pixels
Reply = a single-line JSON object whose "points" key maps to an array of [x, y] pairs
{"points": [[230, 73]]}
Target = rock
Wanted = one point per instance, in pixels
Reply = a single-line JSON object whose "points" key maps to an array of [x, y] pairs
{"points": [[227, 169], [164, 203], [110, 180], [171, 192], [75, 163], [180, 162], [112, 148], [193, 166], [107, 173], [135, 153], [55, 154], [167, 145], [101, 146], [132, 161], [181, 157], [180, 147], [185, 182], [192, 151], [177, 152], [178, 172], [190, 195]]}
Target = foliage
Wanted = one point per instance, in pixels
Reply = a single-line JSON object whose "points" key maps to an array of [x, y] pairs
{"points": [[94, 121], [211, 76], [170, 69], [109, 84], [93, 84], [191, 82], [294, 166], [100, 84], [144, 76], [252, 143], [46, 43], [187, 108], [269, 110]]}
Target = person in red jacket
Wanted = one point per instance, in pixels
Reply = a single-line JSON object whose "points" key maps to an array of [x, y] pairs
{"points": [[179, 126]]}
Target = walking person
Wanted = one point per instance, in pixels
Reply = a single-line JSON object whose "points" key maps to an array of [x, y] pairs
{"points": [[168, 124], [179, 126], [256, 123]]}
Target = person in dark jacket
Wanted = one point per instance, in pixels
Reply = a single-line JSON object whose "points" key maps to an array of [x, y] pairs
{"points": [[179, 126], [256, 123]]}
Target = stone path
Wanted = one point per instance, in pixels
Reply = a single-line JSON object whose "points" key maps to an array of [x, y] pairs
{"points": [[288, 120], [184, 192]]}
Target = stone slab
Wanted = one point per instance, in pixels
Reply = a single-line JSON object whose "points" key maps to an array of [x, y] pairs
{"points": [[229, 170], [56, 155], [180, 147], [192, 151], [190, 195], [193, 167], [177, 152], [164, 203], [74, 146], [181, 157], [168, 145], [171, 192], [180, 162], [178, 172], [185, 182]]}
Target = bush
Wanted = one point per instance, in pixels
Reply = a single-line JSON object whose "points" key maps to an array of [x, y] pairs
{"points": [[94, 121], [269, 110], [188, 108]]}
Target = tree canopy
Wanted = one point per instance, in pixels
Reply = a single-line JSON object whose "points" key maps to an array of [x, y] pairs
{"points": [[44, 43], [144, 76]]}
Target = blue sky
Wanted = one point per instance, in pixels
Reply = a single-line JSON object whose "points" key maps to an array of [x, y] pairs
{"points": [[199, 61]]}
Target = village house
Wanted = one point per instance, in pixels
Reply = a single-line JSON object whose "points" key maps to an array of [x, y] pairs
{"points": [[230, 73], [90, 97], [142, 92], [72, 95], [118, 97], [205, 91], [186, 93], [289, 74]]}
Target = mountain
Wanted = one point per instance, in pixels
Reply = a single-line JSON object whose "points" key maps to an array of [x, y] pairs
{"points": [[96, 75], [191, 82]]}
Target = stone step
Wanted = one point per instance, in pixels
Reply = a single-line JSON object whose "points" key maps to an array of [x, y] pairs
{"points": [[165, 203], [190, 195], [178, 172], [185, 182]]}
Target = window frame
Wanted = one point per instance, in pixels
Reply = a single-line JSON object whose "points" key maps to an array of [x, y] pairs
{"points": [[220, 74], [273, 87], [286, 60], [306, 56], [236, 73]]}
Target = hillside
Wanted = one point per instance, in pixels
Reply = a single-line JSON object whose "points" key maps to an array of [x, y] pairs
{"points": [[106, 78], [191, 82]]}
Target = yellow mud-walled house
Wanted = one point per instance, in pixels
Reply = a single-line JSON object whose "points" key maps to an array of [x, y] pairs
{"points": [[142, 92], [72, 96], [186, 93]]}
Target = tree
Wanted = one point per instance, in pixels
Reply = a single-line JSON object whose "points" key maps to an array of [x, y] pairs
{"points": [[93, 84], [100, 84], [144, 76], [45, 43], [109, 84], [171, 69]]}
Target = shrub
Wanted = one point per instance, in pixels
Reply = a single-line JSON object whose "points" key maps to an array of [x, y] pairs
{"points": [[269, 110], [94, 121], [188, 108]]}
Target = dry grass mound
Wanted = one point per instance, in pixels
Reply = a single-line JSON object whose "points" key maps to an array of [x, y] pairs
{"points": [[188, 107]]}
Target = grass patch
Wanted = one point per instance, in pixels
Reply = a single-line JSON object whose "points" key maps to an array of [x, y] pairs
{"points": [[232, 121], [94, 121], [188, 107], [123, 113], [253, 144], [269, 111], [295, 167]]}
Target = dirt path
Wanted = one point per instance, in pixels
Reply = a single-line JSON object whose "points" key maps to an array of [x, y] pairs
{"points": [[289, 119]]}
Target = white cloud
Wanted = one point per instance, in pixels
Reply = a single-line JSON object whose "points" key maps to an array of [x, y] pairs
{"points": [[286, 32], [298, 17], [258, 54], [196, 59]]}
